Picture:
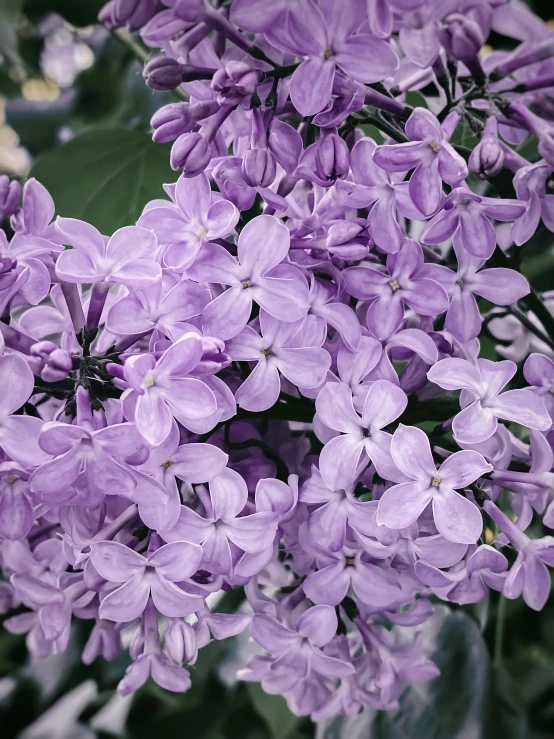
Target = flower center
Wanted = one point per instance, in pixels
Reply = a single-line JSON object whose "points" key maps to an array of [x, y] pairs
{"points": [[202, 232], [246, 284], [551, 389], [267, 352], [149, 380], [349, 561], [460, 282], [394, 285], [167, 464], [435, 146], [10, 479], [435, 482], [328, 53]]}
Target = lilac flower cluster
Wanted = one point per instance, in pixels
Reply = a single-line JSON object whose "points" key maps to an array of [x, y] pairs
{"points": [[230, 392]]}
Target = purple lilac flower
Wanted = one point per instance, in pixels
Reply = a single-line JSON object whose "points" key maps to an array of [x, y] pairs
{"points": [[433, 159], [499, 285], [390, 292], [223, 534], [142, 577], [343, 454], [162, 389], [282, 274], [465, 217], [482, 400], [298, 651], [456, 518], [193, 218], [282, 348], [255, 275], [329, 39]]}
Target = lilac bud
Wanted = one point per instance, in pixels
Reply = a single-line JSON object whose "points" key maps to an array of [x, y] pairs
{"points": [[462, 37], [10, 194], [235, 82], [192, 153], [131, 13], [163, 73], [487, 159], [214, 357], [53, 363], [332, 158], [176, 118], [259, 168], [180, 643], [191, 11], [8, 274]]}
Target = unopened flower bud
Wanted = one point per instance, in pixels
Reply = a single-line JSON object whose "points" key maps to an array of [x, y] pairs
{"points": [[180, 643], [487, 159], [191, 11], [10, 195], [235, 82], [462, 37], [259, 168], [214, 357], [332, 158], [175, 119], [131, 13], [51, 362], [192, 153], [163, 73], [8, 274]]}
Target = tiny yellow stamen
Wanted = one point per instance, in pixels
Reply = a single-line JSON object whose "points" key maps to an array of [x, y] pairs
{"points": [[167, 464], [328, 53], [149, 380], [435, 482], [435, 146], [10, 479], [246, 284], [394, 285], [267, 352], [349, 561], [202, 232]]}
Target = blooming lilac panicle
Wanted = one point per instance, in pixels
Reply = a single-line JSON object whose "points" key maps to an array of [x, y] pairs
{"points": [[231, 392]]}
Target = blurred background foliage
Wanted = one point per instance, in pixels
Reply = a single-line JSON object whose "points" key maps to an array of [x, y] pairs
{"points": [[75, 112]]}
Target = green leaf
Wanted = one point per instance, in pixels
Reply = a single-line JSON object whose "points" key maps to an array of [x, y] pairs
{"points": [[464, 136], [105, 176], [274, 710], [416, 99]]}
